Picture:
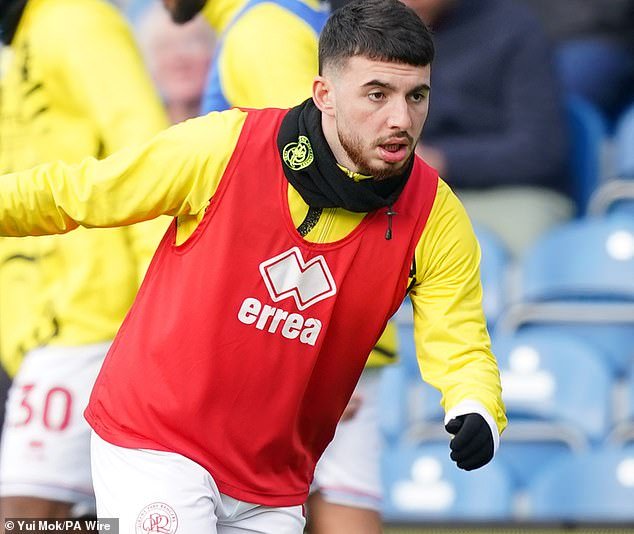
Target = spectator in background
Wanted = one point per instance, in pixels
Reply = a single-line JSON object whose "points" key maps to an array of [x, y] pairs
{"points": [[594, 49], [496, 129], [178, 58], [73, 85], [262, 42]]}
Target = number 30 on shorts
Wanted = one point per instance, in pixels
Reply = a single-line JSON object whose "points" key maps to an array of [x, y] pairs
{"points": [[52, 409]]}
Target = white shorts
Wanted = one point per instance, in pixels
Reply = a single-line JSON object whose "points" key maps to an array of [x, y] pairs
{"points": [[45, 449], [155, 491], [348, 473]]}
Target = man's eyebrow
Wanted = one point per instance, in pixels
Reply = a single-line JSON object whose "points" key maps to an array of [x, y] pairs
{"points": [[386, 85], [422, 87], [378, 83]]}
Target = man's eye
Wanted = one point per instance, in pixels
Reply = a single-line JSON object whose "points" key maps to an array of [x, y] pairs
{"points": [[418, 97], [376, 96]]}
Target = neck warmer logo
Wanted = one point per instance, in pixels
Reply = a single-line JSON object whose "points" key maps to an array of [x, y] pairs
{"points": [[299, 155]]}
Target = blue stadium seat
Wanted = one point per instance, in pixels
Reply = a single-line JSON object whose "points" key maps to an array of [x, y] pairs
{"points": [[624, 144], [406, 401], [623, 432], [557, 391], [423, 484], [530, 453], [393, 411], [494, 267], [614, 196], [596, 486], [589, 259], [588, 134], [557, 381], [407, 348], [580, 278], [617, 195], [408, 406]]}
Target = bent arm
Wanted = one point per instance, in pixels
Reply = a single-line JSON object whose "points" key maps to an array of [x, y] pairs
{"points": [[452, 342]]}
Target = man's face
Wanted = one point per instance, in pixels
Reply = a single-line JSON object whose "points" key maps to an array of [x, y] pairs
{"points": [[183, 10], [379, 112]]}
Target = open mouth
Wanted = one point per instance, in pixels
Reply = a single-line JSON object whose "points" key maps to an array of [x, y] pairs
{"points": [[393, 152]]}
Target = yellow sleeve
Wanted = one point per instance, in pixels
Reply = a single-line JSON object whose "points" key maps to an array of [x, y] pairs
{"points": [[106, 76], [452, 342], [258, 67], [175, 173]]}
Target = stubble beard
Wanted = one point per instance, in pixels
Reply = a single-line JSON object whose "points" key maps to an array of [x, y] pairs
{"points": [[354, 149]]}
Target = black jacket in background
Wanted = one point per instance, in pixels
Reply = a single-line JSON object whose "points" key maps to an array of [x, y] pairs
{"points": [[496, 110]]}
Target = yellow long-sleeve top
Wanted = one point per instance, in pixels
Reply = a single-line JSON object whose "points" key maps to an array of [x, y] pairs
{"points": [[177, 173], [72, 85]]}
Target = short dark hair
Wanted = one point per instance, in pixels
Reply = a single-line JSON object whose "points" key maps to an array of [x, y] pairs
{"points": [[383, 30]]}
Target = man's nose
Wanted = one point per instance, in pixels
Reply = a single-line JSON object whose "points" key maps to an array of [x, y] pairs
{"points": [[399, 115]]}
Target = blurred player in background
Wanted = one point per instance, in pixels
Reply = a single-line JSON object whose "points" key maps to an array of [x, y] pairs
{"points": [[178, 57], [73, 85], [278, 40]]}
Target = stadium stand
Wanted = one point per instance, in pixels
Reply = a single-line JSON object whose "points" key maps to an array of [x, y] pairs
{"points": [[594, 486], [558, 395], [580, 277], [422, 484], [617, 195], [588, 133], [623, 431], [624, 144], [494, 267]]}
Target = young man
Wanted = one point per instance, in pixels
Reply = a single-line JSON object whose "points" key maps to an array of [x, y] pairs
{"points": [[346, 494], [229, 374], [73, 85]]}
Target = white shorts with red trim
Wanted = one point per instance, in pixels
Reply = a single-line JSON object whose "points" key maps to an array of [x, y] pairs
{"points": [[348, 473], [157, 491], [45, 450]]}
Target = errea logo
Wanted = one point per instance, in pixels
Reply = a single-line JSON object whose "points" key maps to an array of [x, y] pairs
{"points": [[286, 276]]}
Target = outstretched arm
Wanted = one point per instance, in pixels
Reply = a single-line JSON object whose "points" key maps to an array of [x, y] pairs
{"points": [[175, 173]]}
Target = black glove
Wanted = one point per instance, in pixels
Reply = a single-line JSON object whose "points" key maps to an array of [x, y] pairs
{"points": [[472, 444]]}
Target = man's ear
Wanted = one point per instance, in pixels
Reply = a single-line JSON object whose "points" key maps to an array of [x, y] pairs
{"points": [[324, 95]]}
